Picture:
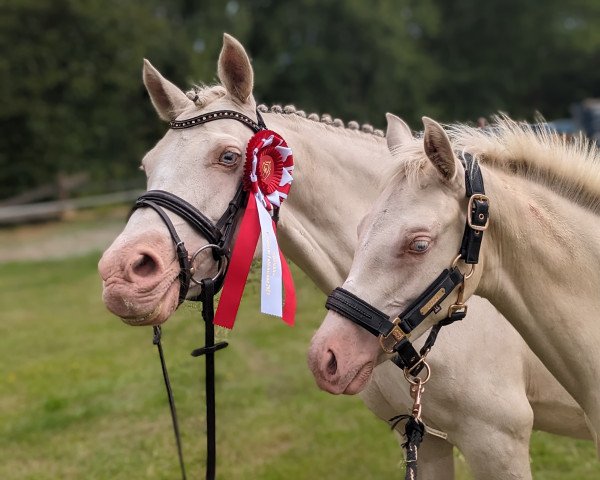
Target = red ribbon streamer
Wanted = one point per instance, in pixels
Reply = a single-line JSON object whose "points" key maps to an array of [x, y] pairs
{"points": [[239, 267], [289, 305]]}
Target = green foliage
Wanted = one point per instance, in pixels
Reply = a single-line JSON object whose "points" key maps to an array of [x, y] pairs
{"points": [[72, 97]]}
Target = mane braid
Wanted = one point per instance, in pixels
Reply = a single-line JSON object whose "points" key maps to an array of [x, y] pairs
{"points": [[202, 95], [325, 119]]}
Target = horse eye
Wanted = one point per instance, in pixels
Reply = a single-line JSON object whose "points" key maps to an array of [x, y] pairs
{"points": [[229, 158], [419, 246]]}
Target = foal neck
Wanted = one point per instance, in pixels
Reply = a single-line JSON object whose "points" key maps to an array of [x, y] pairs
{"points": [[541, 269], [337, 173]]}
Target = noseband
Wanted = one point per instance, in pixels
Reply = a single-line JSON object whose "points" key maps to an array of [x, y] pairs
{"points": [[394, 334]]}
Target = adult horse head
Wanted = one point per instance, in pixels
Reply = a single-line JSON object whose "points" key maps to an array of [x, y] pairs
{"points": [[202, 166], [397, 259]]}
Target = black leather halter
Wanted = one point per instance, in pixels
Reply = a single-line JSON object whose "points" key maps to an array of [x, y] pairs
{"points": [[393, 334], [219, 236]]}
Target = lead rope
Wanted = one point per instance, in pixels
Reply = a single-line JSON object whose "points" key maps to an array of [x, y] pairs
{"points": [[208, 311], [414, 430]]}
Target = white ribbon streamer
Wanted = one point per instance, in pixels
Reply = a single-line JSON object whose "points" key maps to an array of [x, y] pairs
{"points": [[271, 297]]}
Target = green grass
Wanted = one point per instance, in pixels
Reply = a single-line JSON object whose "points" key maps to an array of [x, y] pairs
{"points": [[81, 394]]}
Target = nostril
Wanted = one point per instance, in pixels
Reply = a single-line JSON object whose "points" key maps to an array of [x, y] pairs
{"points": [[331, 363], [144, 266]]}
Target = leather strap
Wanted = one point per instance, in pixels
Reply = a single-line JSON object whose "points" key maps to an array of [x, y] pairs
{"points": [[188, 212], [219, 115], [183, 258], [350, 306], [157, 341], [431, 299], [478, 212]]}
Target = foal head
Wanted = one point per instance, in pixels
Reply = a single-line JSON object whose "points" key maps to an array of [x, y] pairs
{"points": [[202, 165], [412, 233]]}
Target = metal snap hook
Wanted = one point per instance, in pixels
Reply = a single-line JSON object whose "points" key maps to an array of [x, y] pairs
{"points": [[221, 265]]}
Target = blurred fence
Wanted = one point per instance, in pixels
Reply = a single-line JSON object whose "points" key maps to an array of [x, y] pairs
{"points": [[15, 214]]}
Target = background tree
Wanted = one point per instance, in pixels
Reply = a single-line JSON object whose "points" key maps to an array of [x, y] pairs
{"points": [[70, 74]]}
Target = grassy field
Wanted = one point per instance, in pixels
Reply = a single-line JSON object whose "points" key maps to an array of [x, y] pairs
{"points": [[81, 394]]}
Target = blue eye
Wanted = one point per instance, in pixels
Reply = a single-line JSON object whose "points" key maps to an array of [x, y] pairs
{"points": [[419, 245], [229, 158]]}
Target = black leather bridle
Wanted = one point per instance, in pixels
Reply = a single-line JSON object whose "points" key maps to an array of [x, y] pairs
{"points": [[394, 334], [219, 236]]}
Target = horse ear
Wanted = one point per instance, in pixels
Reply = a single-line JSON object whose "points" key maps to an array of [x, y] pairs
{"points": [[398, 132], [235, 71], [438, 149], [167, 99]]}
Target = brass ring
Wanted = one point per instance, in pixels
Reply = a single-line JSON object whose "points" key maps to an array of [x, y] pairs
{"points": [[470, 273], [410, 378]]}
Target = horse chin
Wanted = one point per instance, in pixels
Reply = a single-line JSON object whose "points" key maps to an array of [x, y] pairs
{"points": [[149, 312], [360, 380], [155, 317]]}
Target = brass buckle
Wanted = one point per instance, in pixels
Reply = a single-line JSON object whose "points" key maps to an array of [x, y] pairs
{"points": [[457, 307], [396, 334], [484, 198]]}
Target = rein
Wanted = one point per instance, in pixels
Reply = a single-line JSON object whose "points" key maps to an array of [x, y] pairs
{"points": [[219, 236], [394, 334]]}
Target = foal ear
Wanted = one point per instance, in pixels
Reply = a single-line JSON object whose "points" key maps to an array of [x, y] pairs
{"points": [[438, 149], [167, 99], [398, 132], [235, 71]]}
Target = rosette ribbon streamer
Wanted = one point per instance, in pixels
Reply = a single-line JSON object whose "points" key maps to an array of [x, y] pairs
{"points": [[267, 177]]}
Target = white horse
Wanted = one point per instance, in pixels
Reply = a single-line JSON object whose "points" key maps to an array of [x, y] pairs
{"points": [[337, 175], [540, 257]]}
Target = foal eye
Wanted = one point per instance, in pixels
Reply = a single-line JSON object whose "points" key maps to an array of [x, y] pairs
{"points": [[229, 158], [419, 246]]}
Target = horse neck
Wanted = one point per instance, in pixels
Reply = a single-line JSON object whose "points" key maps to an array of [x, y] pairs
{"points": [[336, 177], [541, 268]]}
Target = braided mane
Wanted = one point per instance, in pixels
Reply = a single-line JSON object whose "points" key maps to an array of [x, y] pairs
{"points": [[203, 95]]}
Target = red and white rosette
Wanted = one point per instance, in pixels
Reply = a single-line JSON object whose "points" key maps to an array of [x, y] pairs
{"points": [[268, 178]]}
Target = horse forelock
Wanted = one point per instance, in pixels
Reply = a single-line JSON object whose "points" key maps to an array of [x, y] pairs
{"points": [[203, 95]]}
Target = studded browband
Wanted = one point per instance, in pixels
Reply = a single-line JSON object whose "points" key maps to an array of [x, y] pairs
{"points": [[394, 334], [217, 115]]}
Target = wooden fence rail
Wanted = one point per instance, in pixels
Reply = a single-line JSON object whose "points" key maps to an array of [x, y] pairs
{"points": [[16, 214]]}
